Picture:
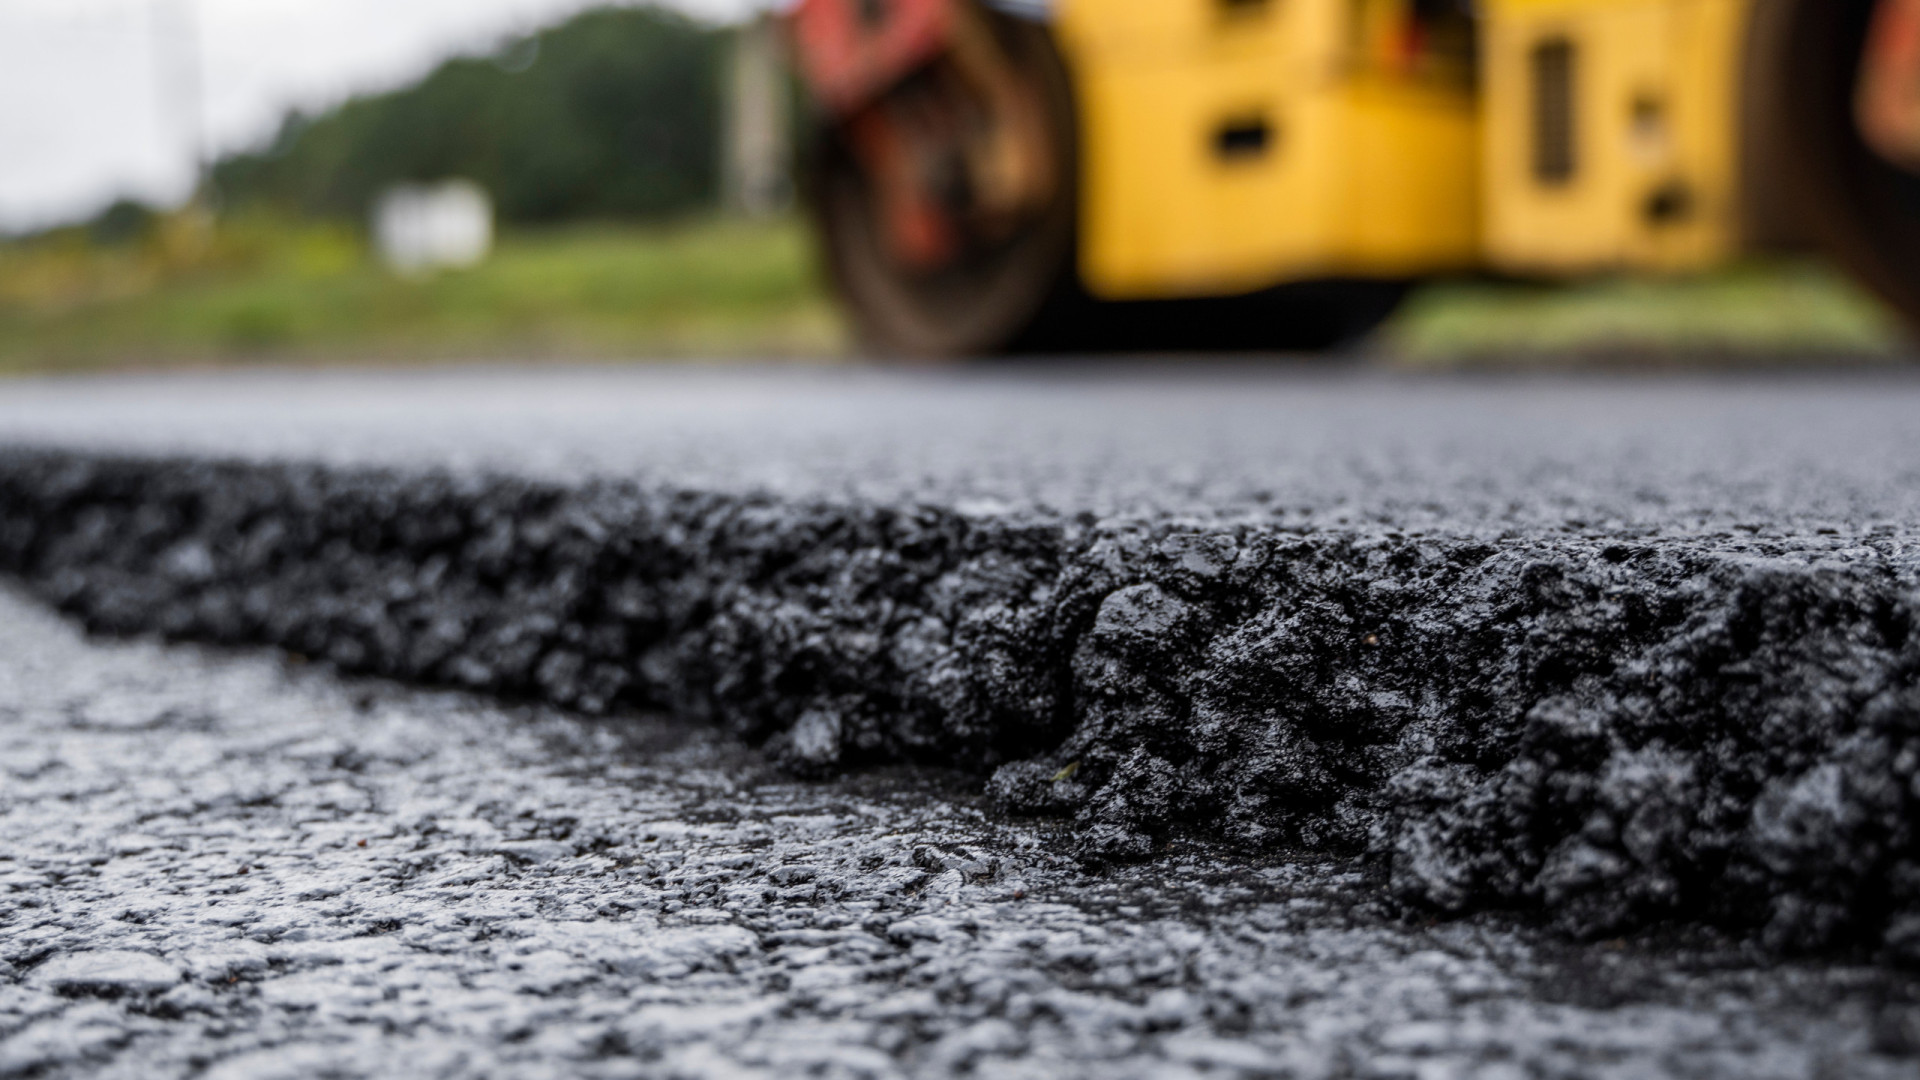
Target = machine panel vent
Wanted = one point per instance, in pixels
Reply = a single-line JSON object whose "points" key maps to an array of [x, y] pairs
{"points": [[1553, 64], [1243, 138]]}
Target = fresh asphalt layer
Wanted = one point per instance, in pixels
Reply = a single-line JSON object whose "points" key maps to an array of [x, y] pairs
{"points": [[1028, 722]]}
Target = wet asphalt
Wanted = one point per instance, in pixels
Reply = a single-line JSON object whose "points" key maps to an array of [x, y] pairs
{"points": [[240, 862]]}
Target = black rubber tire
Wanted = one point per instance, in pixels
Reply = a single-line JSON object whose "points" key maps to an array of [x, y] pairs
{"points": [[990, 301], [1857, 208], [1025, 296]]}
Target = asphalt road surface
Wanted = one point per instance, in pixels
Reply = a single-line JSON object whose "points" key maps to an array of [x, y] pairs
{"points": [[1787, 454], [1075, 722]]}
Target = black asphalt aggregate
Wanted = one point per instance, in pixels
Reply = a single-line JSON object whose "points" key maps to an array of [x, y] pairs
{"points": [[1604, 688]]}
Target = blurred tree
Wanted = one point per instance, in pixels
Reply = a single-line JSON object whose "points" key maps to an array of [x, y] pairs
{"points": [[125, 222], [615, 113]]}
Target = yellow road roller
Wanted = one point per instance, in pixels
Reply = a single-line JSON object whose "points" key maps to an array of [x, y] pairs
{"points": [[1006, 175]]}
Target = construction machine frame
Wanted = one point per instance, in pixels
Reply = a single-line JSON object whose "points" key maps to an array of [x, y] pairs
{"points": [[1273, 172]]}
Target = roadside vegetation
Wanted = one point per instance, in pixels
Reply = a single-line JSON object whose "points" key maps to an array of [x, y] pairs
{"points": [[257, 288], [1790, 312]]}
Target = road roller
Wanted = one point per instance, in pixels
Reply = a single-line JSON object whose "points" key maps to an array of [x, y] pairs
{"points": [[992, 176]]}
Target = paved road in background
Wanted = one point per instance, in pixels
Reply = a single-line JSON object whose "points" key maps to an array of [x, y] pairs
{"points": [[235, 864], [1782, 454]]}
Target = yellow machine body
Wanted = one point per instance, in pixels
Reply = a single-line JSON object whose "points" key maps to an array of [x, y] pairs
{"points": [[1228, 145], [1612, 133]]}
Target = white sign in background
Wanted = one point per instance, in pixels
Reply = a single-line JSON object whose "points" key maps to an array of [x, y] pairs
{"points": [[420, 228]]}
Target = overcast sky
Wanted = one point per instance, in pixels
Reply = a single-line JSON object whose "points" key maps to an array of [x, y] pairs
{"points": [[89, 110]]}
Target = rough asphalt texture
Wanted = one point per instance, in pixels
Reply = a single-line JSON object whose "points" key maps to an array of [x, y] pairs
{"points": [[1619, 654], [238, 868]]}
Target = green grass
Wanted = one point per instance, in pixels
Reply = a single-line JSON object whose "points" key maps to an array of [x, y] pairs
{"points": [[257, 289], [1751, 314], [263, 290]]}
